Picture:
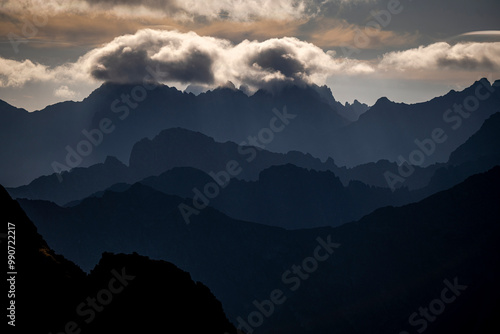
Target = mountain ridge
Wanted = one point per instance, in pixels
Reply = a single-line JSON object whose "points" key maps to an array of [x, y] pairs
{"points": [[413, 248], [51, 291], [225, 115]]}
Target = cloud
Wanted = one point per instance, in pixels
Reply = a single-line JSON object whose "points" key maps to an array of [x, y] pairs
{"points": [[233, 10], [284, 60], [461, 56], [127, 65], [65, 93], [146, 3], [89, 23], [478, 36], [187, 58], [236, 10], [482, 33], [259, 30], [182, 59], [18, 73], [15, 73], [329, 32]]}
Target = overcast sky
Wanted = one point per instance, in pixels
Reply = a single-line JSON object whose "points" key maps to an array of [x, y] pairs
{"points": [[407, 50]]}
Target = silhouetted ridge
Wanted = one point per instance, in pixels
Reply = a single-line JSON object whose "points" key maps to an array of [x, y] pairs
{"points": [[478, 154], [158, 295], [484, 143], [395, 257], [51, 291], [46, 283], [318, 125], [388, 130]]}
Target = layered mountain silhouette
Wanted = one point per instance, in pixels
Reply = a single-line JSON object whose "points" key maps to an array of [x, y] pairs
{"points": [[224, 114], [285, 196], [389, 130], [66, 135], [267, 187], [380, 271], [122, 293], [167, 150], [274, 209], [483, 144], [478, 154], [152, 157]]}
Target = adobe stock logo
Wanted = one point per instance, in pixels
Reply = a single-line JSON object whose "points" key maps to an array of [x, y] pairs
{"points": [[292, 278], [426, 315], [454, 117]]}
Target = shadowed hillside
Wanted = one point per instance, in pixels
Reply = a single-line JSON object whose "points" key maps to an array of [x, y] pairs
{"points": [[130, 292], [395, 257]]}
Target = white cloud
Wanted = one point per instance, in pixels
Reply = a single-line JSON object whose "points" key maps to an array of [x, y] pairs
{"points": [[461, 56], [65, 93], [16, 73], [187, 58], [247, 10], [482, 33]]}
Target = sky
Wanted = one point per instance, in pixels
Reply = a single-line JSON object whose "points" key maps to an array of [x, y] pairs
{"points": [[407, 50]]}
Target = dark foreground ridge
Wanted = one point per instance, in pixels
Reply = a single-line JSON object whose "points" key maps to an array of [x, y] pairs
{"points": [[122, 294]]}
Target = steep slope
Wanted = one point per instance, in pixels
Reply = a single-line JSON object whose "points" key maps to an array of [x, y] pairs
{"points": [[32, 141], [393, 264], [389, 130], [350, 112], [215, 249], [43, 277], [387, 266], [478, 154], [130, 292], [484, 143]]}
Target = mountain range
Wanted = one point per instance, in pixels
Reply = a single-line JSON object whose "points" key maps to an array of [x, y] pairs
{"points": [[307, 119], [282, 212], [395, 257], [268, 188]]}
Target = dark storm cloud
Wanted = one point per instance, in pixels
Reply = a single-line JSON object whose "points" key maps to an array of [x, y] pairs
{"points": [[467, 63], [122, 66], [193, 59], [131, 66], [279, 59], [196, 68]]}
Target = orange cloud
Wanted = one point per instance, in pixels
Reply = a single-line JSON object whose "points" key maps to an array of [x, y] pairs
{"points": [[329, 33], [259, 30]]}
